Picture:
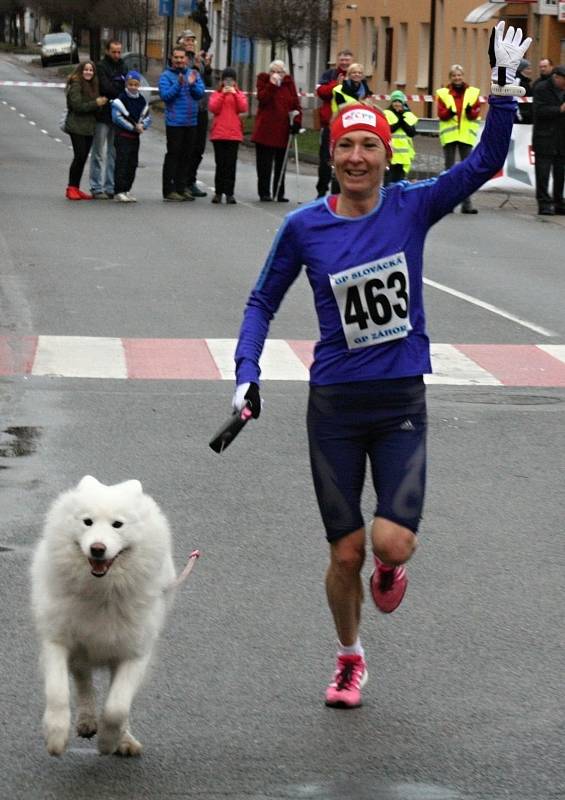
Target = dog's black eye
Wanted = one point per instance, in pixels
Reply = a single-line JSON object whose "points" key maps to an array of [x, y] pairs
{"points": [[87, 521], [117, 524]]}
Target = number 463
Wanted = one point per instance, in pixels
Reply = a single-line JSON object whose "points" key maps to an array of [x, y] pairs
{"points": [[381, 301]]}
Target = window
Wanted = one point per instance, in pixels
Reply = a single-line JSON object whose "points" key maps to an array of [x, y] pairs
{"points": [[333, 42], [402, 54], [453, 47], [389, 36], [473, 65], [423, 55], [347, 35], [485, 71], [370, 46]]}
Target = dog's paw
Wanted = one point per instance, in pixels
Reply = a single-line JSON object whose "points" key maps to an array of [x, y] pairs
{"points": [[57, 742], [87, 725], [110, 732], [56, 729], [129, 746]]}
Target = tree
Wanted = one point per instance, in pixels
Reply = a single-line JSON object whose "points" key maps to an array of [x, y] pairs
{"points": [[292, 23], [13, 11]]}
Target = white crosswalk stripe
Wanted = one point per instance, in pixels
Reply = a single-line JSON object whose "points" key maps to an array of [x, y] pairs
{"points": [[451, 366], [80, 357]]}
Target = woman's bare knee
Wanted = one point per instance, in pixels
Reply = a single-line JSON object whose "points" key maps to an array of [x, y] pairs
{"points": [[392, 543], [348, 553]]}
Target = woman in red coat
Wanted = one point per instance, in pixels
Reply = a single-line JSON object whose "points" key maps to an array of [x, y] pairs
{"points": [[277, 97], [226, 104]]}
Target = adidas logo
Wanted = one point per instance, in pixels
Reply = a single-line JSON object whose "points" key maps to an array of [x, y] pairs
{"points": [[406, 425]]}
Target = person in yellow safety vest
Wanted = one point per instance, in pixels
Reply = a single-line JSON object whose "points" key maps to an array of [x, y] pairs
{"points": [[458, 109], [403, 127], [354, 89]]}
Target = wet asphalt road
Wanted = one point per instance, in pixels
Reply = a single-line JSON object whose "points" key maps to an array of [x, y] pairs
{"points": [[464, 700]]}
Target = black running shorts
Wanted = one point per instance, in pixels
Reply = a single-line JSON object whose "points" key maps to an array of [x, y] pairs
{"points": [[383, 420]]}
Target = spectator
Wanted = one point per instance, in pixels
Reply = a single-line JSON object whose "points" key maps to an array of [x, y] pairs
{"points": [[180, 89], [277, 97], [83, 101], [549, 141], [130, 115], [329, 80], [111, 74], [524, 115], [403, 128], [203, 63], [458, 109], [545, 69], [352, 90], [226, 104]]}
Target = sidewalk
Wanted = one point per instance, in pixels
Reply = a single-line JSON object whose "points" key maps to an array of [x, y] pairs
{"points": [[428, 161]]}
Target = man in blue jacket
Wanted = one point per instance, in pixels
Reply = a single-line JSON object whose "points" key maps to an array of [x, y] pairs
{"points": [[181, 88]]}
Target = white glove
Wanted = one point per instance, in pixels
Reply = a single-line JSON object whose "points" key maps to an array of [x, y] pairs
{"points": [[247, 395], [505, 52]]}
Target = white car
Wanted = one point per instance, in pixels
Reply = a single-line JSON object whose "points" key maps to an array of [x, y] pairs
{"points": [[58, 47]]}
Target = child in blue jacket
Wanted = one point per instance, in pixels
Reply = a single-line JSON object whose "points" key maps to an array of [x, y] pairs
{"points": [[130, 115]]}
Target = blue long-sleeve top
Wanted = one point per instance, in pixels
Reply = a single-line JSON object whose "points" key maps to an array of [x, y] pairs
{"points": [[181, 100], [366, 272]]}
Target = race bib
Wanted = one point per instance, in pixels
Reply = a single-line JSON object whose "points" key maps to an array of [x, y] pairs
{"points": [[373, 301]]}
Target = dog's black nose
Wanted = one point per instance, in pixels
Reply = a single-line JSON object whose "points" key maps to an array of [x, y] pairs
{"points": [[97, 550]]}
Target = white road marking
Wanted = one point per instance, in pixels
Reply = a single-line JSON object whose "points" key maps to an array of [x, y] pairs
{"points": [[80, 357], [278, 358], [222, 351], [278, 361], [454, 368], [555, 350], [489, 307]]}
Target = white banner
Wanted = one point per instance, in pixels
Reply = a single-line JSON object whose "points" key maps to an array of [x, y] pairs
{"points": [[518, 173]]}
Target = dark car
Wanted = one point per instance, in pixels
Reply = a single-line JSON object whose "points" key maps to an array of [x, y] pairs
{"points": [[58, 47]]}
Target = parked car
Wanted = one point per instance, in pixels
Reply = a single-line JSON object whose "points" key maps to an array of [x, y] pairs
{"points": [[58, 47]]}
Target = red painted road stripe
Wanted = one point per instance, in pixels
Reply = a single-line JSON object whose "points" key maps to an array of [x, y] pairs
{"points": [[303, 349], [17, 354], [169, 359], [517, 364]]}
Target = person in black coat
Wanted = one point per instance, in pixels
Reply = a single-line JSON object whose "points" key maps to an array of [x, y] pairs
{"points": [[548, 141], [111, 73], [525, 113]]}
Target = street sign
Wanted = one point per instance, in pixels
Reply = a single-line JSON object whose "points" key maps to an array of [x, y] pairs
{"points": [[184, 8], [165, 8]]}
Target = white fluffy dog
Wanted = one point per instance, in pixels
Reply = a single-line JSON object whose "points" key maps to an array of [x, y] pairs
{"points": [[101, 576]]}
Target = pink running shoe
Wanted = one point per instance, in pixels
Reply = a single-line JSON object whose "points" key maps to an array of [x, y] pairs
{"points": [[388, 586], [349, 678]]}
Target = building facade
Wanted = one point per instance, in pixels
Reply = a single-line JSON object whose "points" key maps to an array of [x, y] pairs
{"points": [[411, 44]]}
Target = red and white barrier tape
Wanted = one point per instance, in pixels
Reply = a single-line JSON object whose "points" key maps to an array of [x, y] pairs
{"points": [[415, 98]]}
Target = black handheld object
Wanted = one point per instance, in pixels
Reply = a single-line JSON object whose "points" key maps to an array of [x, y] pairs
{"points": [[230, 429]]}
